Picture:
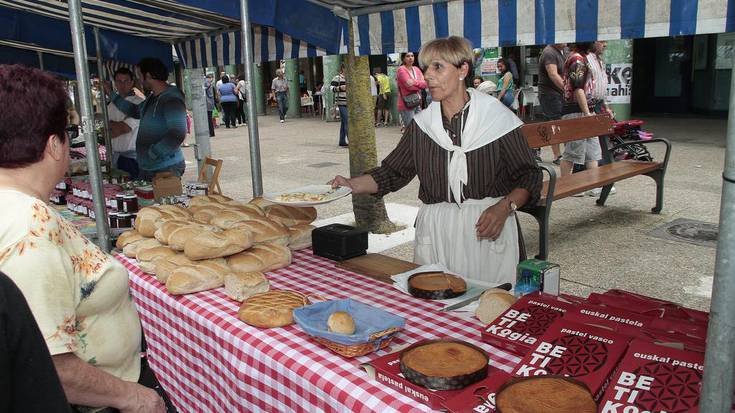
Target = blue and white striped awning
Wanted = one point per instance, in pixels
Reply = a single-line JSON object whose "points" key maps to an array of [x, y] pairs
{"points": [[492, 23], [225, 48]]}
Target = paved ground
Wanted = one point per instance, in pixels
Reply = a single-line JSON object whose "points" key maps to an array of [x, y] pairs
{"points": [[598, 247]]}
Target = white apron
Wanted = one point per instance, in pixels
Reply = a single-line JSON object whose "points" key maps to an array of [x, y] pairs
{"points": [[445, 233]]}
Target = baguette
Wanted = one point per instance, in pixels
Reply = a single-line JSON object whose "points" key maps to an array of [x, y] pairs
{"points": [[131, 250], [164, 266], [228, 218], [208, 199], [242, 285], [127, 237], [165, 230], [145, 257], [262, 258], [206, 245], [290, 216], [194, 278], [179, 236], [204, 214], [300, 236], [266, 231], [261, 202]]}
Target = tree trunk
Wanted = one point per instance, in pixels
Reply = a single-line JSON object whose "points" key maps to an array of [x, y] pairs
{"points": [[369, 211]]}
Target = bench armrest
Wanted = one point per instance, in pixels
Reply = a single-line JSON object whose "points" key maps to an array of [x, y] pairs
{"points": [[549, 168], [655, 140]]}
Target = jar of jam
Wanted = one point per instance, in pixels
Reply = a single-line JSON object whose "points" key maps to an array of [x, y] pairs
{"points": [[130, 203], [112, 219], [120, 202], [124, 220]]}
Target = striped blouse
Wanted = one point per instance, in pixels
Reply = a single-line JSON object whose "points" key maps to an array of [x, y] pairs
{"points": [[493, 170]]}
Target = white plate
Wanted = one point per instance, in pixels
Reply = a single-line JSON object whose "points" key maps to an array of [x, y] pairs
{"points": [[330, 194]]}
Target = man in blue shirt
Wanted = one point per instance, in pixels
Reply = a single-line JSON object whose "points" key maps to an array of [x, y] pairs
{"points": [[162, 122]]}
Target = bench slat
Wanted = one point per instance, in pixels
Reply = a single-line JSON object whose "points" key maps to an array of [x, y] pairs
{"points": [[597, 177], [552, 132]]}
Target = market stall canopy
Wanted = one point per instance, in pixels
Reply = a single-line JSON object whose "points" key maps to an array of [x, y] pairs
{"points": [[205, 31], [30, 31], [383, 27]]}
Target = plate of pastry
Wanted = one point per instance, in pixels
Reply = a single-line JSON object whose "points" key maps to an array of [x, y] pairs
{"points": [[308, 195]]}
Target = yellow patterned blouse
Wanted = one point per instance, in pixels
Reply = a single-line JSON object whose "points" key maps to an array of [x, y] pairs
{"points": [[79, 295]]}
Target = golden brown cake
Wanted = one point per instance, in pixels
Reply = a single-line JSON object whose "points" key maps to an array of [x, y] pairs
{"points": [[544, 395], [436, 285], [444, 364]]}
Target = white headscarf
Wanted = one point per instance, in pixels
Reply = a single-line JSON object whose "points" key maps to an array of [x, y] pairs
{"points": [[488, 120]]}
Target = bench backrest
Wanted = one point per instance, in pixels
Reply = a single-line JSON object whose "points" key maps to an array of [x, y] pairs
{"points": [[561, 131]]}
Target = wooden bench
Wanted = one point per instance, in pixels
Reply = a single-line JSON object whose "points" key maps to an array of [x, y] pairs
{"points": [[556, 187]]}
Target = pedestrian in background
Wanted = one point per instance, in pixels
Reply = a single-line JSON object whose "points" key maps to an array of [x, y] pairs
{"points": [[411, 82], [382, 106], [241, 92], [505, 84], [279, 88], [123, 128], [339, 88], [477, 81], [228, 100], [210, 96], [551, 86]]}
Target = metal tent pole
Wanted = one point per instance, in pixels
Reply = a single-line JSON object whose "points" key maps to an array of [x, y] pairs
{"points": [[102, 100], [85, 102], [247, 60], [40, 60], [719, 359]]}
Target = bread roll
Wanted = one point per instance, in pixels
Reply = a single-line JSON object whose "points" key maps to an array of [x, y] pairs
{"points": [[300, 236], [266, 231], [194, 278], [263, 257], [164, 266], [493, 303], [145, 221], [242, 285], [341, 322], [165, 230], [127, 237], [290, 216], [227, 218], [146, 256], [131, 250], [218, 244]]}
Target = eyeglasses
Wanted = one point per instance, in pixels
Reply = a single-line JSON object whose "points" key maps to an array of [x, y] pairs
{"points": [[72, 131]]}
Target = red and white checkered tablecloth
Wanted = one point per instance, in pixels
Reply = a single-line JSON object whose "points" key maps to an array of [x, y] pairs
{"points": [[210, 361]]}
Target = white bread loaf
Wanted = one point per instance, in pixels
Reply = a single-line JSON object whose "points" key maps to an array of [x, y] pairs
{"points": [[127, 237], [176, 211], [271, 309], [208, 199], [246, 208], [341, 322], [164, 266], [204, 213], [300, 236], [209, 244], [493, 303], [262, 257], [228, 218], [165, 230], [146, 256], [242, 285], [131, 250], [290, 216], [179, 236], [146, 220], [266, 231], [194, 278]]}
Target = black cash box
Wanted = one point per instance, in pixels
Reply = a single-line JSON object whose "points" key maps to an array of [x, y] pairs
{"points": [[339, 242]]}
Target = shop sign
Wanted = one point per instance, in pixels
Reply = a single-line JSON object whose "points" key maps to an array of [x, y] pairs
{"points": [[620, 82]]}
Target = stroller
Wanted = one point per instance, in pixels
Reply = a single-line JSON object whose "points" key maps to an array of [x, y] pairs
{"points": [[630, 131]]}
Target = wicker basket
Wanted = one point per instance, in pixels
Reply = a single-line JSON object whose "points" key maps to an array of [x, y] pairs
{"points": [[379, 340]]}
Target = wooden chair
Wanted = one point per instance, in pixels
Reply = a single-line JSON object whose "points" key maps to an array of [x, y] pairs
{"points": [[214, 187]]}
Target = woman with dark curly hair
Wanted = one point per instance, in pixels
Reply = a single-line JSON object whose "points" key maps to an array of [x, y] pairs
{"points": [[78, 294]]}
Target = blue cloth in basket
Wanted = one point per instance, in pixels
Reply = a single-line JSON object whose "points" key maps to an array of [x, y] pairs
{"points": [[368, 320]]}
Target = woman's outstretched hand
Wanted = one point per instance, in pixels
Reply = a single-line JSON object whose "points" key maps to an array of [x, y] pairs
{"points": [[339, 181]]}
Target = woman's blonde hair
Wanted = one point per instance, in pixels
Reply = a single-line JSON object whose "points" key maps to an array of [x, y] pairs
{"points": [[454, 49]]}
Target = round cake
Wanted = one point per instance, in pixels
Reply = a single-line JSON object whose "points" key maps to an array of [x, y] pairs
{"points": [[444, 364], [547, 394], [436, 285]]}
